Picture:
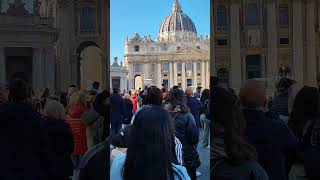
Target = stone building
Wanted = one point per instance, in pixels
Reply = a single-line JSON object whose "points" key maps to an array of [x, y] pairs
{"points": [[266, 39], [53, 41], [177, 57], [118, 75]]}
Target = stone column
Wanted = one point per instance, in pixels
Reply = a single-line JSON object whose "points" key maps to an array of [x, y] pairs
{"points": [[272, 63], [159, 75], [3, 72], [194, 67], [130, 76], [311, 70], [171, 83], [145, 72], [297, 42], [121, 84], [74, 74], [105, 72], [125, 84], [203, 74], [50, 73], [235, 45], [183, 75], [207, 75], [175, 73], [37, 71]]}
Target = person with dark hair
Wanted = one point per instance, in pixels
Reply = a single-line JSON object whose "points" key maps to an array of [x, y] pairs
{"points": [[24, 137], [304, 121], [194, 105], [95, 86], [117, 111], [279, 103], [204, 120], [197, 94], [154, 96], [214, 81], [231, 156], [128, 108], [150, 149], [186, 129], [271, 137]]}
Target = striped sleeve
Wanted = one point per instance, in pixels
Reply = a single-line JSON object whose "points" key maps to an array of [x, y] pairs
{"points": [[178, 150]]}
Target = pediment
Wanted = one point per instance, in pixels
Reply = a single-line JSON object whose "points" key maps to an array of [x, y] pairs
{"points": [[189, 50]]}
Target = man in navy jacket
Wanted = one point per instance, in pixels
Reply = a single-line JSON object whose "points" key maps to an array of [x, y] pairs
{"points": [[117, 111], [194, 105], [271, 137]]}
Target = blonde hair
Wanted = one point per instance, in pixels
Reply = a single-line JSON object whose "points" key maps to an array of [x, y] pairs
{"points": [[126, 96], [78, 97], [54, 109]]}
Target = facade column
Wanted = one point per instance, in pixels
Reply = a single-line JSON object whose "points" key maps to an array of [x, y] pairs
{"points": [[311, 73], [145, 72], [297, 42], [207, 75], [175, 73], [272, 64], [121, 84], [125, 84], [36, 71], [183, 75], [159, 75], [194, 67], [130, 76], [171, 84], [50, 72], [105, 71], [235, 72], [203, 74], [2, 66]]}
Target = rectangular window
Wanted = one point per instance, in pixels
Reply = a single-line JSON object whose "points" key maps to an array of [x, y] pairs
{"points": [[189, 82], [284, 41], [88, 20], [137, 68], [178, 48], [284, 16], [164, 48], [136, 48], [189, 67], [165, 67], [222, 42]]}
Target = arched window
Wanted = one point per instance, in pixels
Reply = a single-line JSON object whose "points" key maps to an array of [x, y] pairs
{"points": [[252, 14], [88, 20], [253, 66], [284, 16], [223, 75], [221, 16]]}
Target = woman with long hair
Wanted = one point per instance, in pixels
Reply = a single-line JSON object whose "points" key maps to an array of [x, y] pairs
{"points": [[204, 99], [185, 128], [150, 149], [231, 156]]}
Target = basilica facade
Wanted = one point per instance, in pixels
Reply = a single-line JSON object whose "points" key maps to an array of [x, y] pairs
{"points": [[177, 57], [266, 40]]}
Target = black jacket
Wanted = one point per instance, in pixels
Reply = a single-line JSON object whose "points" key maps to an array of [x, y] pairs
{"points": [[128, 110], [187, 132], [24, 144]]}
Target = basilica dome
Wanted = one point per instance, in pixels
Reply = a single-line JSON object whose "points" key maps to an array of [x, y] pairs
{"points": [[177, 25]]}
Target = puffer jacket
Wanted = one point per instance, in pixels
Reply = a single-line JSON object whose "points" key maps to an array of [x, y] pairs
{"points": [[78, 129], [187, 132]]}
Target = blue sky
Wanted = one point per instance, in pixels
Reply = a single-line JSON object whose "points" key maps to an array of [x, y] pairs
{"points": [[145, 17]]}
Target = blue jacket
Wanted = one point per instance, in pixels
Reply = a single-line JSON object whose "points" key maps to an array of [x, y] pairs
{"points": [[273, 141], [180, 172], [195, 107], [117, 109]]}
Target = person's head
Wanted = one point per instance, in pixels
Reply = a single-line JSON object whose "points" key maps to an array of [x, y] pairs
{"points": [[77, 98], [115, 90], [154, 96], [151, 145], [199, 88], [18, 91], [252, 95], [283, 85], [189, 91], [205, 95], [126, 96], [305, 108], [3, 94], [293, 91], [96, 85], [176, 101], [54, 109], [45, 93], [229, 120]]}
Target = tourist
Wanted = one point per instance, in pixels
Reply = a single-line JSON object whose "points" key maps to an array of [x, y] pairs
{"points": [[279, 103], [93, 121], [72, 89], [204, 120], [24, 137], [134, 100], [271, 137], [164, 92], [117, 111], [194, 105], [95, 86], [60, 139], [231, 156], [305, 124], [185, 129], [128, 108], [154, 96], [197, 94], [150, 147], [76, 107]]}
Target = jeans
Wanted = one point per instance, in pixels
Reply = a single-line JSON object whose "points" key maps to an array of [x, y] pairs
{"points": [[76, 161], [206, 130]]}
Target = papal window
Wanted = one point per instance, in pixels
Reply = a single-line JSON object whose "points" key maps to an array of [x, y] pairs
{"points": [[189, 67], [88, 20], [284, 16], [165, 67], [252, 14]]}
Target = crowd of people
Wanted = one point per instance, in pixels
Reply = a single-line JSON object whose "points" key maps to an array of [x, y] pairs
{"points": [[45, 137], [255, 137], [155, 132]]}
